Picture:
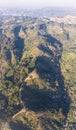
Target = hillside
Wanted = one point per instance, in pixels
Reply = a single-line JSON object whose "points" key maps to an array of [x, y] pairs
{"points": [[37, 73]]}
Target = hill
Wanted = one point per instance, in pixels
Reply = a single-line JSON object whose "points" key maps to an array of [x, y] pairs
{"points": [[37, 73]]}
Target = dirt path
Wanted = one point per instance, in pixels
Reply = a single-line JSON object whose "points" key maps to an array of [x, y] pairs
{"points": [[20, 112]]}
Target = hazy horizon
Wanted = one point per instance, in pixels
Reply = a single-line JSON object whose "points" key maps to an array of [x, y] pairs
{"points": [[37, 3]]}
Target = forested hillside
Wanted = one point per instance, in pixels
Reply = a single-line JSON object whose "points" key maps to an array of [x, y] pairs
{"points": [[37, 73]]}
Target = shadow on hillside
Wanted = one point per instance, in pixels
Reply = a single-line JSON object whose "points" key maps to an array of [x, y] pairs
{"points": [[51, 124], [41, 99], [16, 30], [18, 48], [18, 126], [49, 70], [46, 49], [53, 41], [3, 104]]}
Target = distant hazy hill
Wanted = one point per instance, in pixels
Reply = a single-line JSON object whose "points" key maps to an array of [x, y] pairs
{"points": [[48, 12]]}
